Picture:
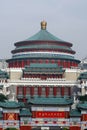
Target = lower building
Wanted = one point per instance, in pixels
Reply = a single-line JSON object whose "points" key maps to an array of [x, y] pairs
{"points": [[41, 100]]}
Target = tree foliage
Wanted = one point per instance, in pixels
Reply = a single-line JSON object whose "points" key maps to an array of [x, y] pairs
{"points": [[11, 129], [3, 98], [83, 98]]}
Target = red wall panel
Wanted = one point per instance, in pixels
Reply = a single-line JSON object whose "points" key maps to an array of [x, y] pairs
{"points": [[25, 127], [54, 91], [75, 128], [40, 114]]}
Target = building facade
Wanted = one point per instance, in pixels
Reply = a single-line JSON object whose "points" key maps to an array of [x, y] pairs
{"points": [[42, 82]]}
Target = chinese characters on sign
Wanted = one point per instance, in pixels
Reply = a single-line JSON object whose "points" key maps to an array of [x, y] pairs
{"points": [[50, 114]]}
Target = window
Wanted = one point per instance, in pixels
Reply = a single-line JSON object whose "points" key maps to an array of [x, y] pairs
{"points": [[25, 122], [59, 91], [50, 91], [66, 91], [43, 91], [20, 90], [27, 90], [36, 90]]}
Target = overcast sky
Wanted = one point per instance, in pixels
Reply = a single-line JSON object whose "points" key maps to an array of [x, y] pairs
{"points": [[66, 19]]}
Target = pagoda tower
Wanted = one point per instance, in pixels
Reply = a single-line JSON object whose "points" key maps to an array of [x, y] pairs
{"points": [[39, 78], [43, 47]]}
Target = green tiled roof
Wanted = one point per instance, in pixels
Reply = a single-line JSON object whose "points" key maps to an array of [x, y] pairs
{"points": [[25, 112], [83, 75], [45, 46], [44, 55], [75, 113], [3, 74], [51, 101], [43, 35], [11, 104], [43, 67], [82, 105]]}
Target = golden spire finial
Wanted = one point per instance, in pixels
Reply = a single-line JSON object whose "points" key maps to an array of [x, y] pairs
{"points": [[43, 25]]}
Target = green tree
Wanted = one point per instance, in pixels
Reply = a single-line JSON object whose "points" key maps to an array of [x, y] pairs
{"points": [[65, 129], [3, 98], [83, 98], [11, 129]]}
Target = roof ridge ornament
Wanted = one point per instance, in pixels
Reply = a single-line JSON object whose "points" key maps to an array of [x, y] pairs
{"points": [[43, 25]]}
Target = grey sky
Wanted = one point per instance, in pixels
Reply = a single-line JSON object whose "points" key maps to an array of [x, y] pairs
{"points": [[20, 19]]}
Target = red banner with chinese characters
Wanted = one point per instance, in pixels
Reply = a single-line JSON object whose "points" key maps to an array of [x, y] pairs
{"points": [[47, 114]]}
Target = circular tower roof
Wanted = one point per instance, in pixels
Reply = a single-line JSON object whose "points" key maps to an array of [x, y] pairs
{"points": [[43, 45], [43, 35]]}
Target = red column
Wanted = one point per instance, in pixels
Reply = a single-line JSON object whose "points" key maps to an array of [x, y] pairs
{"points": [[72, 63], [39, 91], [40, 61], [58, 62], [67, 114], [68, 64], [47, 61], [32, 91], [64, 64], [47, 91], [16, 116], [19, 64], [60, 76], [84, 117], [33, 114], [62, 91], [28, 62], [4, 116], [22, 64], [15, 63], [10, 64], [75, 64], [54, 91], [24, 91], [53, 61], [69, 90]]}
